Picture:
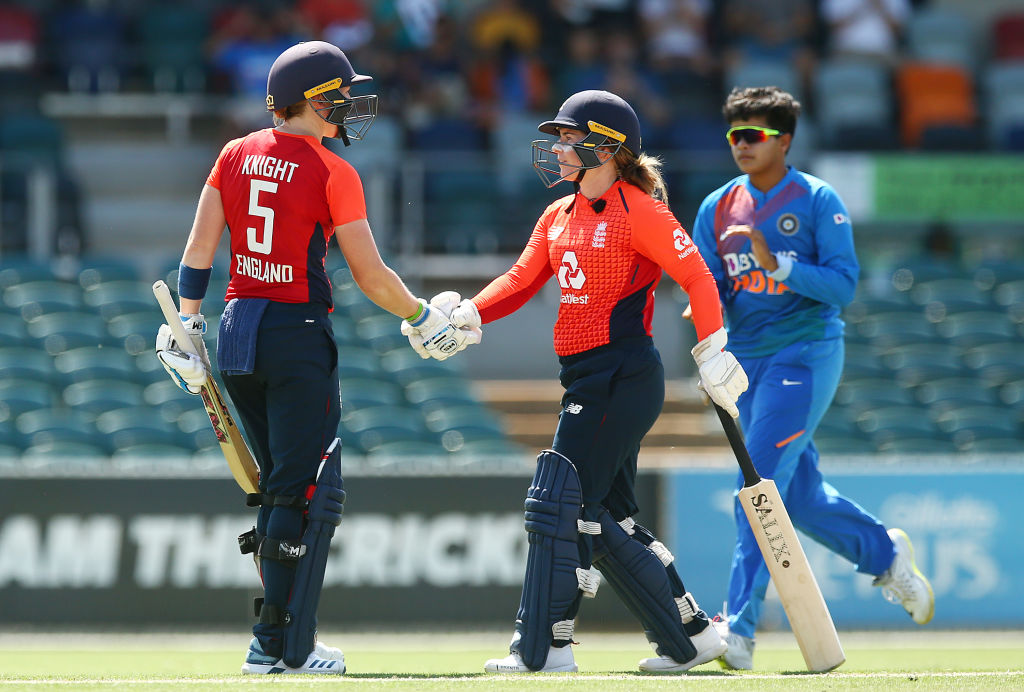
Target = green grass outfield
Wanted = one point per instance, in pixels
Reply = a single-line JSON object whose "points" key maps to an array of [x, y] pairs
{"points": [[154, 662]]}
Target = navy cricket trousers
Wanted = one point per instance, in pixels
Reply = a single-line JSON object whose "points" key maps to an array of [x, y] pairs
{"points": [[613, 395], [290, 407]]}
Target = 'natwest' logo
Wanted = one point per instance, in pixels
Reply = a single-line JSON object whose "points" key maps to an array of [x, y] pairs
{"points": [[569, 274]]}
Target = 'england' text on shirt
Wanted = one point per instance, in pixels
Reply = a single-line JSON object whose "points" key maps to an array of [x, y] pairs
{"points": [[258, 269]]}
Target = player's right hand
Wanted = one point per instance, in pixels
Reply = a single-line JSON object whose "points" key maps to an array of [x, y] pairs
{"points": [[721, 376], [434, 335], [187, 369]]}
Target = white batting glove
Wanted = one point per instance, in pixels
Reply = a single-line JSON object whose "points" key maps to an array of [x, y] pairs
{"points": [[466, 316], [446, 302], [721, 376], [188, 370]]}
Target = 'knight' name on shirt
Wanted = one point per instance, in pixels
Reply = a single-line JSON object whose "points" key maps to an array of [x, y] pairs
{"points": [[269, 167], [268, 272]]}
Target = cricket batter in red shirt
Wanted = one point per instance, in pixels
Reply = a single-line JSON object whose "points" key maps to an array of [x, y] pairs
{"points": [[283, 196], [606, 245]]}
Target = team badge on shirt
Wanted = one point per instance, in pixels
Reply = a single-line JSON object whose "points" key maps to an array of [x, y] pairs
{"points": [[788, 224]]}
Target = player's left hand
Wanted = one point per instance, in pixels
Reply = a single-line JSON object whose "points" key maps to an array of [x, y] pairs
{"points": [[188, 370], [721, 376], [758, 245]]}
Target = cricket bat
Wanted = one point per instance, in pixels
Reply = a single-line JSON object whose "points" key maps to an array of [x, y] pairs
{"points": [[791, 572], [240, 460]]}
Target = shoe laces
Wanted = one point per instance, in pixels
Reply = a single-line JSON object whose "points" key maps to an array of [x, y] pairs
{"points": [[897, 584]]}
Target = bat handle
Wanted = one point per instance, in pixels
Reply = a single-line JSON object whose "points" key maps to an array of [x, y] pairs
{"points": [[170, 311], [739, 448]]}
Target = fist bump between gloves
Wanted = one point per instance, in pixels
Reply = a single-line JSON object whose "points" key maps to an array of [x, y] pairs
{"points": [[188, 370], [721, 376], [434, 335]]}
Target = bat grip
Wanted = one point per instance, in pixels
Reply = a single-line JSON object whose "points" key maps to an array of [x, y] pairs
{"points": [[739, 448]]}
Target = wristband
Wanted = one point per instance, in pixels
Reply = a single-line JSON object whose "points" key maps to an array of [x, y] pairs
{"points": [[417, 317], [192, 283]]}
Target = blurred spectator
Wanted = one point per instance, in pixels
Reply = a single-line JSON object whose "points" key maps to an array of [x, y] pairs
{"points": [[345, 23], [407, 24], [598, 14], [865, 28], [89, 45], [507, 72], [780, 31], [676, 33], [583, 67], [244, 45], [630, 79]]}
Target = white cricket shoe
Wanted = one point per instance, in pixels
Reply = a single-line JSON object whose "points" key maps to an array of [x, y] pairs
{"points": [[322, 660], [709, 645], [560, 660], [903, 582], [740, 652]]}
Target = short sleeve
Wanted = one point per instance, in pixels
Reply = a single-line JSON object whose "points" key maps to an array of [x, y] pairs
{"points": [[213, 180], [345, 194]]}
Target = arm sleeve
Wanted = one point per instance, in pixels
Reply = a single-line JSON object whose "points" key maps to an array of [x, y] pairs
{"points": [[658, 236], [833, 279], [213, 180], [704, 237], [345, 194], [511, 290]]}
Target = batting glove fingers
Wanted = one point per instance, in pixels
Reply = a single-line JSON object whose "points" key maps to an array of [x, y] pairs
{"points": [[722, 378]]}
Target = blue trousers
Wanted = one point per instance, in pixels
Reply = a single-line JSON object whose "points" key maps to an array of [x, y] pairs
{"points": [[788, 395], [290, 407]]}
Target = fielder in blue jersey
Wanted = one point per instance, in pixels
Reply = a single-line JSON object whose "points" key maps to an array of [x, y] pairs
{"points": [[780, 245]]}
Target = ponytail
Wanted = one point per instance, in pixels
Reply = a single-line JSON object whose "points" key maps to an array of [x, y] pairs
{"points": [[643, 171]]}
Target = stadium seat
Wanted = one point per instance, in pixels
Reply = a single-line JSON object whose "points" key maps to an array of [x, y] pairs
{"points": [[405, 448], [852, 93], [361, 392], [440, 392], [973, 422], [27, 363], [64, 331], [382, 332], [13, 332], [954, 392], [1004, 100], [102, 270], [917, 445], [92, 363], [751, 73], [113, 298], [990, 275], [839, 421], [931, 95], [64, 454], [127, 427], [405, 366], [860, 394], [941, 35], [992, 445], [169, 399], [358, 362], [172, 38], [915, 364], [136, 331], [373, 426], [996, 363], [18, 396], [890, 330], [344, 328], [838, 445], [863, 362], [52, 425], [89, 46], [35, 298], [1008, 36], [31, 139], [95, 397], [956, 295], [20, 270], [969, 330], [195, 424], [471, 421], [891, 422]]}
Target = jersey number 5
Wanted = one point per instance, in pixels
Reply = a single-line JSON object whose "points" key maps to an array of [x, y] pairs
{"points": [[255, 188]]}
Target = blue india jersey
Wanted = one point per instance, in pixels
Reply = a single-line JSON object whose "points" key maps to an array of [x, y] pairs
{"points": [[803, 218]]}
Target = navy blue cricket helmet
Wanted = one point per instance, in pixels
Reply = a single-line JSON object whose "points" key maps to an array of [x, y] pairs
{"points": [[317, 71], [608, 121]]}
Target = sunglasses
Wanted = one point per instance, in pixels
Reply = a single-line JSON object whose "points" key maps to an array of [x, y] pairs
{"points": [[751, 134]]}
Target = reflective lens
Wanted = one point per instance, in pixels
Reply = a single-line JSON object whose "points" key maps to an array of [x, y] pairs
{"points": [[750, 134]]}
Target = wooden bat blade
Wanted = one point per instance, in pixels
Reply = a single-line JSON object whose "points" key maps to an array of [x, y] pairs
{"points": [[240, 460], [791, 573]]}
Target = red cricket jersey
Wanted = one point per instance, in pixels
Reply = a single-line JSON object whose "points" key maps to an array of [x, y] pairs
{"points": [[607, 265], [283, 196]]}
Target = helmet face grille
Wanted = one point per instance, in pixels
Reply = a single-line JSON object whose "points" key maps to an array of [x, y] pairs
{"points": [[548, 167], [354, 114]]}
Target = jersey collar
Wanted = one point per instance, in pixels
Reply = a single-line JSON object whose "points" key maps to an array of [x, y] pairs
{"points": [[762, 197]]}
